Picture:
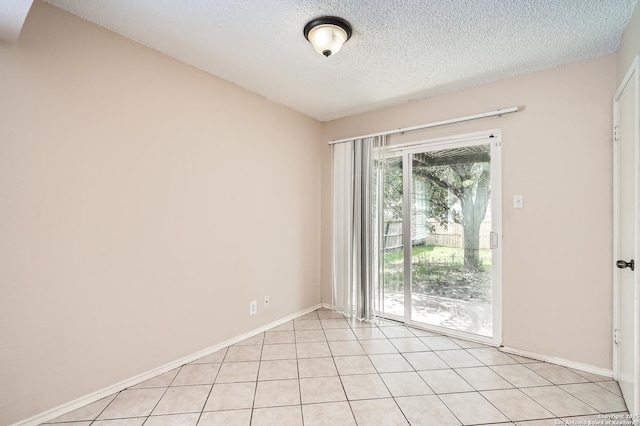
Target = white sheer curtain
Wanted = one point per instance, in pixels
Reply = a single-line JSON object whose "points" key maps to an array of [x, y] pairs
{"points": [[357, 225]]}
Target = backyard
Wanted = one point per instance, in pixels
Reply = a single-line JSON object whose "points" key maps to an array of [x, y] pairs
{"points": [[439, 271]]}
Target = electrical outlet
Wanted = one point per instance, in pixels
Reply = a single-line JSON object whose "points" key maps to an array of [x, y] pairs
{"points": [[253, 307], [266, 301]]}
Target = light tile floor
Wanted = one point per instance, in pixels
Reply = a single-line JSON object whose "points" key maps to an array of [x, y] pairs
{"points": [[323, 370]]}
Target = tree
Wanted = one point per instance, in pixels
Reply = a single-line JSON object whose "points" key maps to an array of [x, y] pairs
{"points": [[393, 189], [467, 178]]}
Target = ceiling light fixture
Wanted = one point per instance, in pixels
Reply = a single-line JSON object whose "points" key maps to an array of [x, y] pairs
{"points": [[327, 34]]}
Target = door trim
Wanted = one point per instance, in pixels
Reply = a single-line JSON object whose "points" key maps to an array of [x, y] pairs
{"points": [[632, 73]]}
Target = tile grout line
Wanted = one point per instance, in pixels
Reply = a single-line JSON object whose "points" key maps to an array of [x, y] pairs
{"points": [[475, 389], [255, 391], [102, 411], [368, 356], [378, 373], [349, 401], [212, 385], [588, 381], [340, 375], [295, 342], [164, 393], [514, 387]]}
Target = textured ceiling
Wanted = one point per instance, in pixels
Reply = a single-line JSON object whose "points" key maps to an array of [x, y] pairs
{"points": [[400, 50]]}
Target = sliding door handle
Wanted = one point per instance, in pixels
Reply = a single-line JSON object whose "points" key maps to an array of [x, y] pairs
{"points": [[493, 239]]}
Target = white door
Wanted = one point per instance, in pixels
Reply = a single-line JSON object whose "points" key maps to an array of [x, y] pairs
{"points": [[626, 238]]}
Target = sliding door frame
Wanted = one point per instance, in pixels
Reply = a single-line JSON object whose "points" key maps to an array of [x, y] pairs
{"points": [[494, 138]]}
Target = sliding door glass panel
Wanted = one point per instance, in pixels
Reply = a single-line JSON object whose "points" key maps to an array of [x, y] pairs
{"points": [[451, 276], [393, 259]]}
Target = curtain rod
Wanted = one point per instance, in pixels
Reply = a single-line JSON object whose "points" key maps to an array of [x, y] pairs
{"points": [[434, 124]]}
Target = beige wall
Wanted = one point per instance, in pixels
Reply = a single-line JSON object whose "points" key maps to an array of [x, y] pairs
{"points": [[143, 204], [629, 45], [557, 153]]}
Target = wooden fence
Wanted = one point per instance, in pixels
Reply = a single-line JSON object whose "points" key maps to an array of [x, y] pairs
{"points": [[451, 237]]}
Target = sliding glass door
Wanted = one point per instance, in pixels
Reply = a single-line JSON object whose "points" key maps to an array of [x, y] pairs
{"points": [[441, 263], [393, 224]]}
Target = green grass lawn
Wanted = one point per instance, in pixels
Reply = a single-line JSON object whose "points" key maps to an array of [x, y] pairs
{"points": [[439, 271], [435, 254]]}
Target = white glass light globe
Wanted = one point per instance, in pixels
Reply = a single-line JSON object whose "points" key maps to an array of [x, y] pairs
{"points": [[327, 39]]}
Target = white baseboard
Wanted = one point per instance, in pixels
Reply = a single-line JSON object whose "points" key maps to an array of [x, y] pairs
{"points": [[559, 361], [327, 306], [110, 390]]}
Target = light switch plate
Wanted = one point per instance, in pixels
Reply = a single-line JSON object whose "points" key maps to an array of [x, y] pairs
{"points": [[518, 201]]}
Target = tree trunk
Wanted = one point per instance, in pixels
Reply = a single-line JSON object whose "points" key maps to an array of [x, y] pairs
{"points": [[474, 203], [472, 245]]}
